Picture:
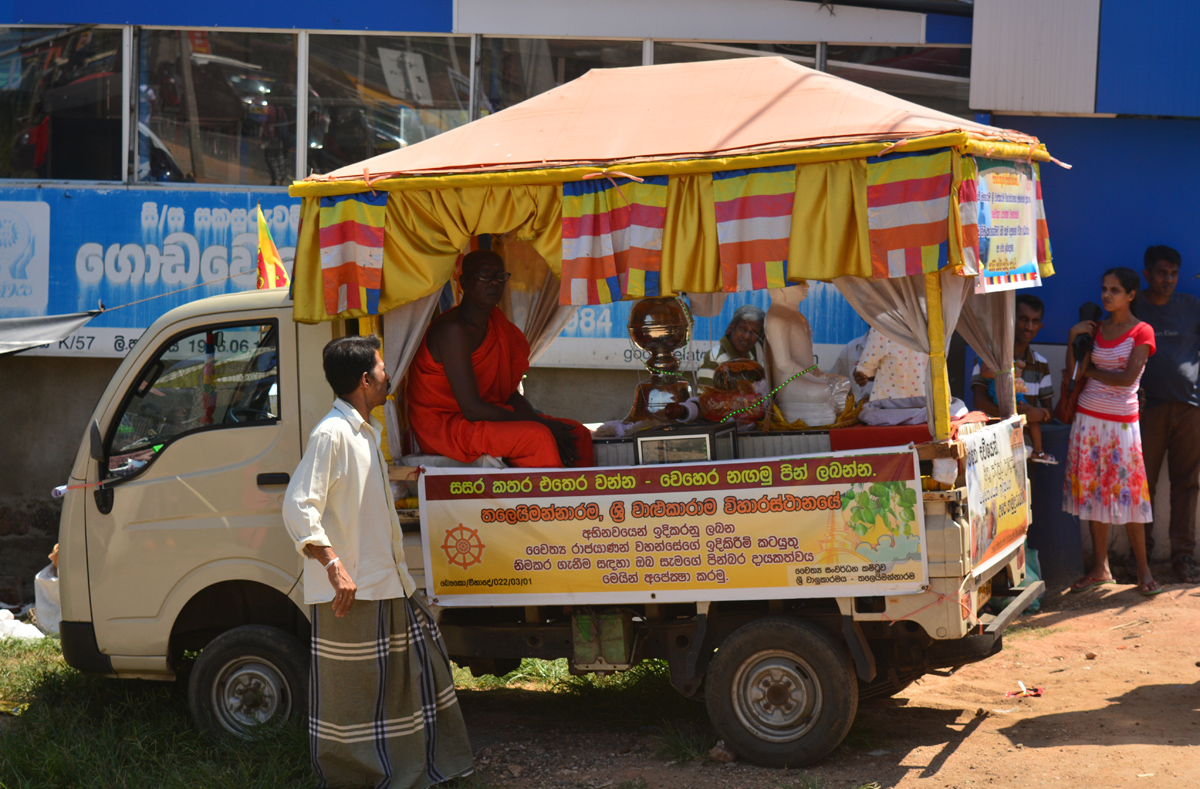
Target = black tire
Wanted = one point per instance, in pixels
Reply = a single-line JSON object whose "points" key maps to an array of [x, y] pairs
{"points": [[781, 692], [249, 676]]}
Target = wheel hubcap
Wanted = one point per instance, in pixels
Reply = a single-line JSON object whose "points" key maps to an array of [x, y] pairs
{"points": [[777, 696], [248, 693]]}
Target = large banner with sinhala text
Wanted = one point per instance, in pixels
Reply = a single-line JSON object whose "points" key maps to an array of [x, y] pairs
{"points": [[827, 525]]}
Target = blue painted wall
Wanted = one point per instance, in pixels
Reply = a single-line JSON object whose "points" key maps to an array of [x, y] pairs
{"points": [[433, 16], [1148, 63], [1132, 185], [943, 29]]}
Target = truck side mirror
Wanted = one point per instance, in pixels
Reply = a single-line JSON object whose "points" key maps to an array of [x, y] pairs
{"points": [[97, 448]]}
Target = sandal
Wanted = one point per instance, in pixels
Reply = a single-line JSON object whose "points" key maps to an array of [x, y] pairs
{"points": [[1043, 457], [1088, 582], [1186, 570], [1149, 589]]}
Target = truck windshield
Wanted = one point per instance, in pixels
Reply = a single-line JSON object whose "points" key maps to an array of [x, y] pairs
{"points": [[213, 377]]}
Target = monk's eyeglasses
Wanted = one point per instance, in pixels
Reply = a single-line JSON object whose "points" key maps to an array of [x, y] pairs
{"points": [[499, 276]]}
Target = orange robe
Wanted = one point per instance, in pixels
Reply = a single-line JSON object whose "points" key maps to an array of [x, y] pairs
{"points": [[499, 362]]}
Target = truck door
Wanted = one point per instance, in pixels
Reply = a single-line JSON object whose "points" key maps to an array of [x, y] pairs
{"points": [[197, 455]]}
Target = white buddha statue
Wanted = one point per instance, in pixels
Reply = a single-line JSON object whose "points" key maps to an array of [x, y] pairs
{"points": [[815, 397]]}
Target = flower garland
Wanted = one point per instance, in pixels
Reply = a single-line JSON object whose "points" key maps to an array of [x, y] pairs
{"points": [[768, 395]]}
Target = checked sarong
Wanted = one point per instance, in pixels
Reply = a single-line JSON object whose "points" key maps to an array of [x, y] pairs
{"points": [[382, 709]]}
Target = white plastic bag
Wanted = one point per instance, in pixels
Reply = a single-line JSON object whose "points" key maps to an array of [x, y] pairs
{"points": [[11, 628], [45, 591]]}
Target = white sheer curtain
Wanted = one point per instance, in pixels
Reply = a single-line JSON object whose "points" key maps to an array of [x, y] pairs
{"points": [[403, 329], [531, 298], [986, 324], [546, 319], [896, 307], [706, 305]]}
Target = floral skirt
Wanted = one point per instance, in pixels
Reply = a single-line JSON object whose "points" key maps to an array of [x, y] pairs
{"points": [[1106, 478]]}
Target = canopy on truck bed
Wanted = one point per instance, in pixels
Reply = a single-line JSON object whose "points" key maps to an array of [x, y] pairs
{"points": [[710, 177]]}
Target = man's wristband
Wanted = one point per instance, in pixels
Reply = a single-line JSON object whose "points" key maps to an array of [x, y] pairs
{"points": [[332, 562]]}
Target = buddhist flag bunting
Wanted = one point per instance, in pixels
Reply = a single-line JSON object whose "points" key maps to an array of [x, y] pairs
{"points": [[968, 212], [908, 212], [1044, 258], [612, 239], [754, 223], [271, 273], [351, 229]]}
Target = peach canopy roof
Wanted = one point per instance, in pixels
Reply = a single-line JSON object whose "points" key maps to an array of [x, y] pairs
{"points": [[678, 111]]}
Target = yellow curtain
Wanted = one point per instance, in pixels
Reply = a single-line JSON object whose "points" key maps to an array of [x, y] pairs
{"points": [[307, 290], [425, 231], [690, 261], [955, 252], [829, 222]]}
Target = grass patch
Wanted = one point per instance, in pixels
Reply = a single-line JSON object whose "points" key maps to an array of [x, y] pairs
{"points": [[641, 696], [633, 699], [635, 783], [683, 742], [95, 732]]}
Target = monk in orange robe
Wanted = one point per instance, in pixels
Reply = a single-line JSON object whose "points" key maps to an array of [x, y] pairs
{"points": [[462, 388]]}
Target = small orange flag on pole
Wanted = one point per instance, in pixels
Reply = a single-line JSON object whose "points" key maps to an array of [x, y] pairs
{"points": [[271, 273]]}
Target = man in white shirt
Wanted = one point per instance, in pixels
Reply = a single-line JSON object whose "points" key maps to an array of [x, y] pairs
{"points": [[382, 709]]}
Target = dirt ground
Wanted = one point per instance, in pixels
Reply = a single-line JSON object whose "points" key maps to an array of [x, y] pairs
{"points": [[1120, 708]]}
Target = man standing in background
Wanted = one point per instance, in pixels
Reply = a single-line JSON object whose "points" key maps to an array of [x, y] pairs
{"points": [[1170, 419]]}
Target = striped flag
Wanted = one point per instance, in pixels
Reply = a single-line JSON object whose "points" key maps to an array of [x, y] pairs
{"points": [[271, 273], [754, 222], [1042, 241], [968, 212], [351, 230], [612, 239], [908, 212]]}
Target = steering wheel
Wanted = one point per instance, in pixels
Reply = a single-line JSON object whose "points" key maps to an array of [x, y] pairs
{"points": [[245, 413]]}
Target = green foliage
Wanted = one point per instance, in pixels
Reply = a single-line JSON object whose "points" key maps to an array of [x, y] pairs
{"points": [[96, 732], [636, 783], [894, 501], [531, 672]]}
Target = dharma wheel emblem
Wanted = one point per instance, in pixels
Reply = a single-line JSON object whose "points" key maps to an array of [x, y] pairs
{"points": [[463, 546]]}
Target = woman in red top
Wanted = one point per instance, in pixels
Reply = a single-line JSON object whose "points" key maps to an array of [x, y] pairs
{"points": [[1106, 478]]}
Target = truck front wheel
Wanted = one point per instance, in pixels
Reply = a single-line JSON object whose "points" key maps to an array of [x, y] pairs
{"points": [[781, 692], [246, 677]]}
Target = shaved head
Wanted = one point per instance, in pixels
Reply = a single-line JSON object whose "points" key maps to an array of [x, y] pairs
{"points": [[473, 261]]}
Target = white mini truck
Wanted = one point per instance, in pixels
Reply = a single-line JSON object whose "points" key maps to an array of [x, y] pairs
{"points": [[172, 541]]}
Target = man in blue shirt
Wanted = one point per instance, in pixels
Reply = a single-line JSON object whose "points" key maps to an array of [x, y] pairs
{"points": [[1170, 419]]}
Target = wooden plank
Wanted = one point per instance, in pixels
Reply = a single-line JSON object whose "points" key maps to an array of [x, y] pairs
{"points": [[941, 449], [403, 473]]}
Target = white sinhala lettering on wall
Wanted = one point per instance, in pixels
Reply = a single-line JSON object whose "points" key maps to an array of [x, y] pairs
{"points": [[222, 244]]}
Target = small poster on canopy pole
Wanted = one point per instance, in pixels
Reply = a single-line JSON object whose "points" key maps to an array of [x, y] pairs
{"points": [[1007, 226]]}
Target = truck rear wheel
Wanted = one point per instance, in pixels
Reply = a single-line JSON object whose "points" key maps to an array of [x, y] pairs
{"points": [[781, 692], [247, 677]]}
